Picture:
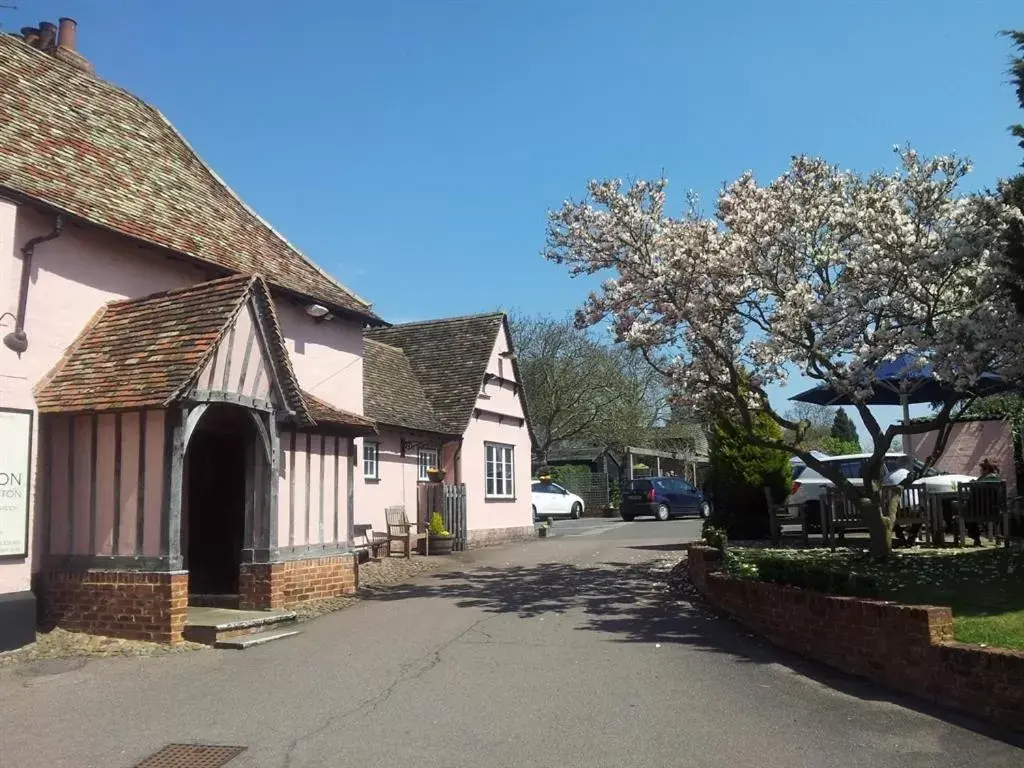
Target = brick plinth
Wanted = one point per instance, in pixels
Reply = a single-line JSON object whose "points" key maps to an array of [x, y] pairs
{"points": [[278, 585], [906, 647], [487, 537], [134, 605]]}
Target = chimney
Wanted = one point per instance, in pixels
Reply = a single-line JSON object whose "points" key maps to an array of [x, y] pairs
{"points": [[30, 35], [67, 46], [66, 33], [47, 35]]}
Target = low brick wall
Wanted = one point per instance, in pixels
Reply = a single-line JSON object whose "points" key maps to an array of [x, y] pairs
{"points": [[487, 537], [134, 605], [906, 647], [278, 585]]}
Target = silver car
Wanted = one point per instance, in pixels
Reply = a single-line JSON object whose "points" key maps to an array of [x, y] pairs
{"points": [[809, 486]]}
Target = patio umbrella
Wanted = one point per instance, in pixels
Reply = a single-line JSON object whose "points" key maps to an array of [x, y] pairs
{"points": [[901, 382]]}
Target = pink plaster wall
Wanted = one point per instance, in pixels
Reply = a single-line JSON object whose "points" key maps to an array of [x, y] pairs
{"points": [[74, 275], [71, 278], [968, 444], [327, 356], [397, 483], [297, 484], [223, 373], [105, 481], [71, 491], [485, 428]]}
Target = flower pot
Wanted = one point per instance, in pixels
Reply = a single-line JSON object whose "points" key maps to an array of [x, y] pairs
{"points": [[440, 545], [436, 475]]}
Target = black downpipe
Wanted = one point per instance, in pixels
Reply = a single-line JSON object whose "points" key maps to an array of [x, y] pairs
{"points": [[17, 341]]}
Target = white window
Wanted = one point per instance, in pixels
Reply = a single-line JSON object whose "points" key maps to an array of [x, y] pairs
{"points": [[371, 458], [428, 460], [500, 471]]}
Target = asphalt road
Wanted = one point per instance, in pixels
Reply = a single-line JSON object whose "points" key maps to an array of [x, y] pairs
{"points": [[565, 652]]}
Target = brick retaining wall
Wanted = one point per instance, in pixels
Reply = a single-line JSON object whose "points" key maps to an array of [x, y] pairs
{"points": [[134, 605], [278, 585], [906, 647]]}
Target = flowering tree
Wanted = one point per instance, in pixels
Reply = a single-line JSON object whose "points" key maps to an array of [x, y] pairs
{"points": [[821, 271]]}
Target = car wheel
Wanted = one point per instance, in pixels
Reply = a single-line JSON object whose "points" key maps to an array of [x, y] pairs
{"points": [[627, 518], [661, 513], [577, 511], [705, 510]]}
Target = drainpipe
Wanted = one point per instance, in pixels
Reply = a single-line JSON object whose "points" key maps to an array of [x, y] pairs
{"points": [[16, 340], [455, 461]]}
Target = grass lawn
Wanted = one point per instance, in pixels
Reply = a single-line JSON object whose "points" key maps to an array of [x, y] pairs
{"points": [[984, 587]]}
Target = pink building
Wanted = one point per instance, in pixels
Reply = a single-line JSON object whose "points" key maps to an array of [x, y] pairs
{"points": [[173, 423]]}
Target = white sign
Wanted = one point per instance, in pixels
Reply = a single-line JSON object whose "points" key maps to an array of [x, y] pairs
{"points": [[15, 476]]}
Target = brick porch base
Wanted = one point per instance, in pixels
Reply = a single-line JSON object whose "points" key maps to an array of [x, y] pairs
{"points": [[278, 585], [134, 605]]}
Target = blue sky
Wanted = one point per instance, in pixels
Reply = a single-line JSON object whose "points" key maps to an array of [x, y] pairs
{"points": [[413, 148]]}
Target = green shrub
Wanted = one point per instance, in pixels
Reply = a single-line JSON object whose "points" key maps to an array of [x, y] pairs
{"points": [[437, 525], [806, 574], [739, 474], [714, 537]]}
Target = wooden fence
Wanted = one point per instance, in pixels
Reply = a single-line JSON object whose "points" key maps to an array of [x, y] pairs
{"points": [[450, 501]]}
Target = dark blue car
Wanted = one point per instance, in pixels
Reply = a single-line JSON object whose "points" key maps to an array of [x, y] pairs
{"points": [[662, 498]]}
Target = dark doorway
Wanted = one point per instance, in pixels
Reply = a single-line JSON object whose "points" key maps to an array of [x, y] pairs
{"points": [[213, 517]]}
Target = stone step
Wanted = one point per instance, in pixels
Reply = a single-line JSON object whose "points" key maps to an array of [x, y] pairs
{"points": [[212, 625], [243, 642]]}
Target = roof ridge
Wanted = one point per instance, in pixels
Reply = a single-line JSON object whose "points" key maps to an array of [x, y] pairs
{"points": [[250, 210], [438, 320]]}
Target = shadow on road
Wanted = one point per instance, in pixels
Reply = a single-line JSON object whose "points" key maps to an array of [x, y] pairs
{"points": [[631, 603]]}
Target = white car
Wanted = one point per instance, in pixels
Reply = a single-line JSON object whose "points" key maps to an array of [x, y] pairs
{"points": [[552, 500], [809, 486]]}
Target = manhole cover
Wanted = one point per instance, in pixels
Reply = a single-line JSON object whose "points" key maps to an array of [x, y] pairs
{"points": [[191, 756]]}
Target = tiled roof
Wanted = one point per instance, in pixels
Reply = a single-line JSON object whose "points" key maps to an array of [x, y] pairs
{"points": [[147, 352], [325, 413], [449, 358], [393, 394], [93, 150]]}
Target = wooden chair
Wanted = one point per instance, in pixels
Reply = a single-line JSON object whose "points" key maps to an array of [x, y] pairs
{"points": [[981, 503], [780, 514], [372, 541], [400, 529], [912, 512], [839, 516], [1013, 528]]}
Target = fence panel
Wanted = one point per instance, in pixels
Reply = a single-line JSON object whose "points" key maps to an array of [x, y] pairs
{"points": [[592, 487], [450, 501]]}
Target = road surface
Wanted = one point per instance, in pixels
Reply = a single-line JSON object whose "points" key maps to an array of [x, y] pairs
{"points": [[564, 652]]}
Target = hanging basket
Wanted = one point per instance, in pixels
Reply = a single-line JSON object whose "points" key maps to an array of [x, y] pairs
{"points": [[436, 475]]}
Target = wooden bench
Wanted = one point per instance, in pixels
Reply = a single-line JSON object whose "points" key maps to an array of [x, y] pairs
{"points": [[400, 529], [840, 515], [372, 541]]}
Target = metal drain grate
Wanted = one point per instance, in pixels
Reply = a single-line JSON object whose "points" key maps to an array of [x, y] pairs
{"points": [[191, 756]]}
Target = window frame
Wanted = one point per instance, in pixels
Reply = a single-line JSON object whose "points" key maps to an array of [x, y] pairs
{"points": [[375, 446], [421, 472], [505, 457]]}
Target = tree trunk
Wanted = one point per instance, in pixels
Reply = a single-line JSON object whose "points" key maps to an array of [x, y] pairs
{"points": [[880, 522]]}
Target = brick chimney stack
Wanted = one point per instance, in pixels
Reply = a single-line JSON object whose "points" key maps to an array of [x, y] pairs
{"points": [[59, 41]]}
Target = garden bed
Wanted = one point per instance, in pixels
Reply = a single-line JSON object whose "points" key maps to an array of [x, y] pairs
{"points": [[984, 587]]}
